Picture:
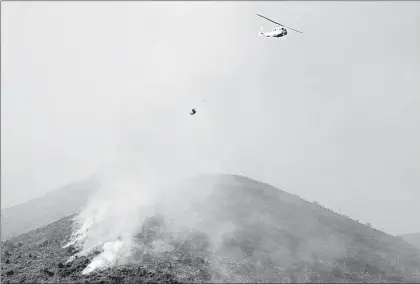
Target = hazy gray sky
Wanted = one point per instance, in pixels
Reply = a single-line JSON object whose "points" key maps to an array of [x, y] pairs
{"points": [[332, 114]]}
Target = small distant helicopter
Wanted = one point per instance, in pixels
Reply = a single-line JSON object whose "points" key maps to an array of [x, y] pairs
{"points": [[277, 31]]}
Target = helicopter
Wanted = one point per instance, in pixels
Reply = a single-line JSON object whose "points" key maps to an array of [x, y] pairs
{"points": [[279, 31]]}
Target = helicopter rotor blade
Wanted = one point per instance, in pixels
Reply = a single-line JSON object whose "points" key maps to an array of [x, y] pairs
{"points": [[278, 23]]}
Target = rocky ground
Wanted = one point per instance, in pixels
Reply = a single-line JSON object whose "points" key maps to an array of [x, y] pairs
{"points": [[278, 238]]}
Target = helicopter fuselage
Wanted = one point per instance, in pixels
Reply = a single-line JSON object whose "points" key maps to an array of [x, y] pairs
{"points": [[276, 32]]}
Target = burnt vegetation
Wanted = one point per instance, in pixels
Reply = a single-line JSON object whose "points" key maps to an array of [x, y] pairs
{"points": [[277, 238]]}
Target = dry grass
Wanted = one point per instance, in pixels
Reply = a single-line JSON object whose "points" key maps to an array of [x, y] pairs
{"points": [[278, 238]]}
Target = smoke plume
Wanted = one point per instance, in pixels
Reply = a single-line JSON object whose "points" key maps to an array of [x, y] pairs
{"points": [[115, 225]]}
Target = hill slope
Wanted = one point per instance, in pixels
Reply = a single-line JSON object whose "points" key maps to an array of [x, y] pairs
{"points": [[270, 236], [413, 239], [51, 207]]}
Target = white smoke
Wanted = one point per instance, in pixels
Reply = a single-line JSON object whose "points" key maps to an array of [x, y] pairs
{"points": [[110, 224], [111, 219]]}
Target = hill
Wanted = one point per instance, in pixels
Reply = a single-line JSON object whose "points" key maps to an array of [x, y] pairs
{"points": [[48, 208], [244, 231], [413, 239]]}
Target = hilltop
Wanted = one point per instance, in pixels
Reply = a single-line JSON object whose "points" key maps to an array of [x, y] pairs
{"points": [[270, 236]]}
